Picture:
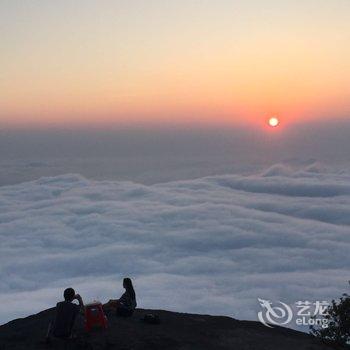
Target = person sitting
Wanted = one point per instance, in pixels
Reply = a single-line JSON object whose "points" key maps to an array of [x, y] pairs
{"points": [[126, 304], [66, 314]]}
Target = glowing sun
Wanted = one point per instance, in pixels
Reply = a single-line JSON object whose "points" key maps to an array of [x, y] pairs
{"points": [[273, 122]]}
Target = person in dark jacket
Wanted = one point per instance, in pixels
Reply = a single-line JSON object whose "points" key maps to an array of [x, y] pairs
{"points": [[126, 304], [66, 314]]}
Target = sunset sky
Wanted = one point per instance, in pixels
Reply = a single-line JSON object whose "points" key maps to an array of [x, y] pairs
{"points": [[89, 62]]}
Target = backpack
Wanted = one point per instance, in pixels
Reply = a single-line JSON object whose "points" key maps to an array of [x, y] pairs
{"points": [[151, 319]]}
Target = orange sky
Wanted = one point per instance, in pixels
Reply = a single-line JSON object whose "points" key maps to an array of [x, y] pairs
{"points": [[126, 62]]}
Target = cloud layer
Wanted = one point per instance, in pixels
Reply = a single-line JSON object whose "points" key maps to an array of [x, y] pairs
{"points": [[211, 245]]}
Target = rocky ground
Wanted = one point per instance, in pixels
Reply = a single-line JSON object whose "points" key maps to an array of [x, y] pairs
{"points": [[176, 331]]}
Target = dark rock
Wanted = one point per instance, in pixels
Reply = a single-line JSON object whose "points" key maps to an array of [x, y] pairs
{"points": [[176, 331]]}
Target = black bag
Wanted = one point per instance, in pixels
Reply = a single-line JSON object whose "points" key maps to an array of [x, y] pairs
{"points": [[151, 319]]}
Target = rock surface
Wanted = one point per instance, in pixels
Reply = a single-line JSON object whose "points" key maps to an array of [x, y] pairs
{"points": [[176, 331]]}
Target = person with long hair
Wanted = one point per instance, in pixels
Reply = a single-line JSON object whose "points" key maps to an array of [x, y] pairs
{"points": [[126, 304]]}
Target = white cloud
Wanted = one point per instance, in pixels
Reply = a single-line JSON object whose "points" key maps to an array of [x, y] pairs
{"points": [[211, 245]]}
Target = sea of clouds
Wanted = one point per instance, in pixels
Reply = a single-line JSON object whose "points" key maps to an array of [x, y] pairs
{"points": [[211, 245]]}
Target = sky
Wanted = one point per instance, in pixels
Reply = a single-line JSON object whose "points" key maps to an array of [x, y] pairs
{"points": [[149, 155], [152, 63]]}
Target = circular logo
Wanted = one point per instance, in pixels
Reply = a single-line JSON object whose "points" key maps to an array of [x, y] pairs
{"points": [[274, 315]]}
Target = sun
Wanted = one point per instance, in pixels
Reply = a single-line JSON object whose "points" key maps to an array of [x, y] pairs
{"points": [[273, 122]]}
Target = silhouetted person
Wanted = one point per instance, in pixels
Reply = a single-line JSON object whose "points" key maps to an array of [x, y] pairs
{"points": [[126, 304], [66, 314]]}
